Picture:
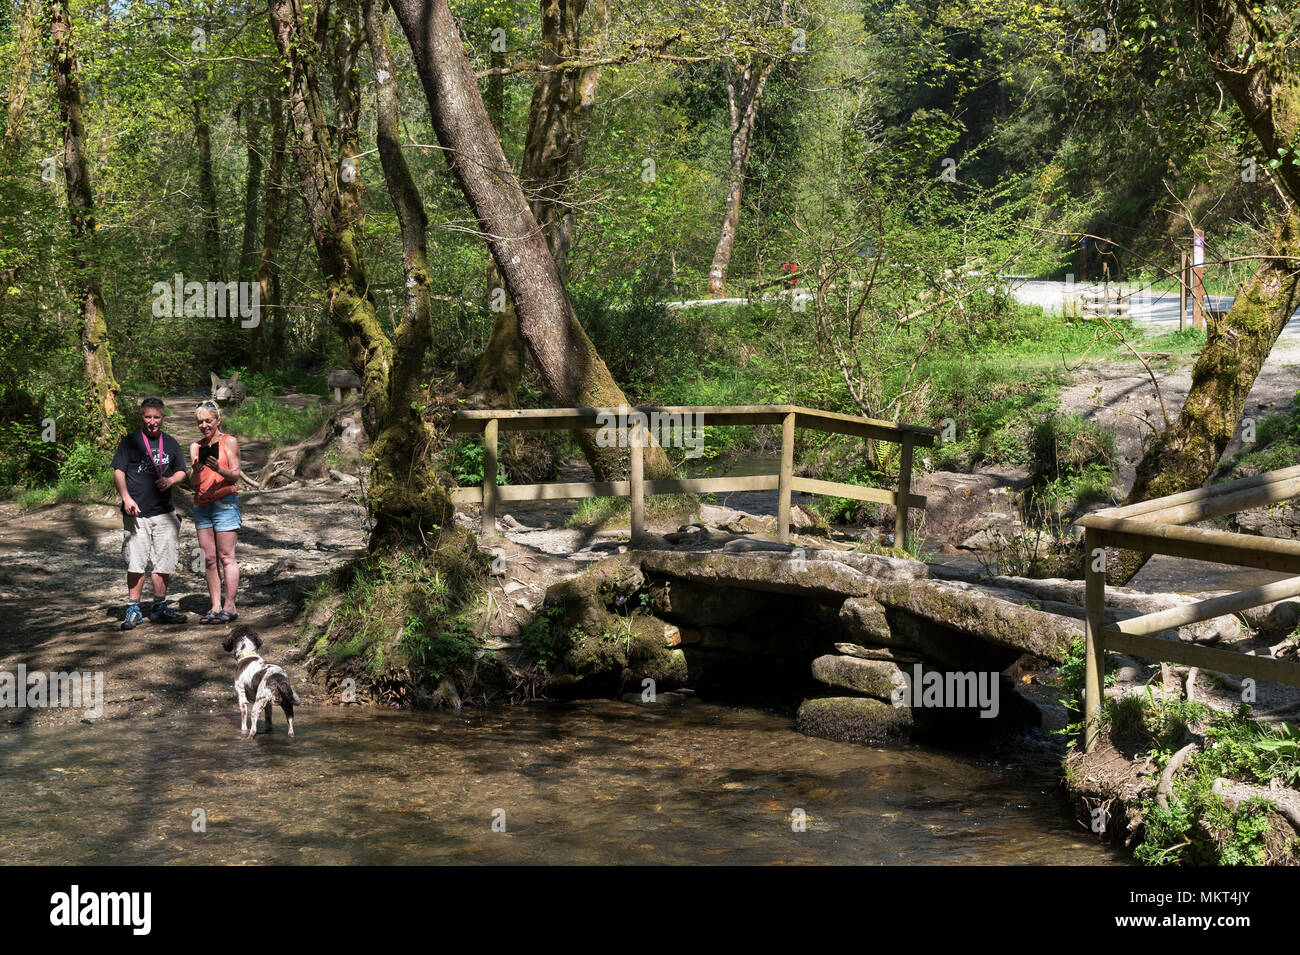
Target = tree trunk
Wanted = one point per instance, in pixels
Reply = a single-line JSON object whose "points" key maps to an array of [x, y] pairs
{"points": [[101, 387], [24, 60], [742, 111], [199, 104], [496, 382], [267, 275], [401, 451], [252, 185], [573, 374], [1244, 54], [558, 117], [1250, 57], [348, 37], [401, 510]]}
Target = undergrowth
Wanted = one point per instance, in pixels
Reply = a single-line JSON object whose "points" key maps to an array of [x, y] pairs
{"points": [[403, 617], [265, 419]]}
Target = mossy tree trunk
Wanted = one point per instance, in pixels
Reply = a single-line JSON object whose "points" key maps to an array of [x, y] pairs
{"points": [[267, 276], [407, 502], [401, 451], [1250, 62], [24, 61], [558, 118], [572, 372], [348, 37], [102, 392]]}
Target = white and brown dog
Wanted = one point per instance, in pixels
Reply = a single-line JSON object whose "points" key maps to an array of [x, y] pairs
{"points": [[262, 684]]}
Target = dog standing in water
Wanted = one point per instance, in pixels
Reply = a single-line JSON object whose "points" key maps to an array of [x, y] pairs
{"points": [[261, 684]]}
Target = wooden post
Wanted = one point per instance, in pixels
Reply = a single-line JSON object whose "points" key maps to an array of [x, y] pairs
{"points": [[1083, 259], [784, 479], [1105, 267], [635, 439], [489, 527], [1094, 622], [1198, 280], [904, 489], [1182, 291]]}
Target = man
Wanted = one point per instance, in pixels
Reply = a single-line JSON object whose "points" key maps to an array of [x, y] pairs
{"points": [[146, 466]]}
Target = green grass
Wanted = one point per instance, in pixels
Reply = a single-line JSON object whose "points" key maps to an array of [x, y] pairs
{"points": [[67, 491], [264, 419], [611, 513], [1276, 445], [403, 615]]}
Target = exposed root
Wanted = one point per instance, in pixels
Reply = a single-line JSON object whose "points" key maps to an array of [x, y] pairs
{"points": [[1171, 770]]}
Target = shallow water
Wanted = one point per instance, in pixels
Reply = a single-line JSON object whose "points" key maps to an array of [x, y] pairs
{"points": [[590, 782]]}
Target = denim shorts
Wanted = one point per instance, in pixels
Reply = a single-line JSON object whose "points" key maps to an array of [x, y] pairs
{"points": [[221, 515]]}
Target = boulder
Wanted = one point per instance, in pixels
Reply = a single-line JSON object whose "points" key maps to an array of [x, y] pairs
{"points": [[863, 620], [853, 720], [876, 678], [738, 522]]}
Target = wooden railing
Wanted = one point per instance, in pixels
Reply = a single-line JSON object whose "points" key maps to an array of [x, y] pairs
{"points": [[1153, 528], [635, 437]]}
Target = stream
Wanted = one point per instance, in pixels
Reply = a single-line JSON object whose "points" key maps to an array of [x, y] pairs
{"points": [[591, 782]]}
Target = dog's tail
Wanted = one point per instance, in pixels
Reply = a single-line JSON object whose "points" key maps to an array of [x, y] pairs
{"points": [[282, 694]]}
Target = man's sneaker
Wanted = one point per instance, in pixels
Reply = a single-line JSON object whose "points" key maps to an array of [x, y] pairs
{"points": [[133, 617], [165, 614]]}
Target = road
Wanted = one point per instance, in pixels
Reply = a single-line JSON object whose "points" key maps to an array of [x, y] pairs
{"points": [[1158, 311]]}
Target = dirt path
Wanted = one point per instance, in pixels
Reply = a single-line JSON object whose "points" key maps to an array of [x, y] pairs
{"points": [[63, 589]]}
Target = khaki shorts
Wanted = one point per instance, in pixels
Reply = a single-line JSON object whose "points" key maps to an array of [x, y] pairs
{"points": [[151, 538]]}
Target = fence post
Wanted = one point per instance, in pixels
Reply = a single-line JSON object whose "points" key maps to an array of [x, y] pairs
{"points": [[1094, 621], [637, 481], [489, 527], [1182, 291], [784, 479], [904, 489]]}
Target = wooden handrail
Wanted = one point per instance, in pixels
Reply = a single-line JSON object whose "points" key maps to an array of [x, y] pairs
{"points": [[1153, 527], [490, 422]]}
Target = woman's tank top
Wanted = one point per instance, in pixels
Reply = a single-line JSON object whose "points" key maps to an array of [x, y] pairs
{"points": [[212, 486]]}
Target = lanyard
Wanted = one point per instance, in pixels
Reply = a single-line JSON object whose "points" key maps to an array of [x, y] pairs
{"points": [[156, 461]]}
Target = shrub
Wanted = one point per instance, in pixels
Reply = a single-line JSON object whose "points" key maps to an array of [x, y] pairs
{"points": [[1068, 445]]}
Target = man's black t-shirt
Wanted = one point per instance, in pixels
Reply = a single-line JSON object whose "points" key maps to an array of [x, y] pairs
{"points": [[142, 470]]}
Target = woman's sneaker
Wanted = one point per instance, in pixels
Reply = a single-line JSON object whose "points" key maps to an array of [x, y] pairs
{"points": [[165, 614], [133, 617]]}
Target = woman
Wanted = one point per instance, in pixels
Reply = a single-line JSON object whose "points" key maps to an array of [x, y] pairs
{"points": [[214, 469]]}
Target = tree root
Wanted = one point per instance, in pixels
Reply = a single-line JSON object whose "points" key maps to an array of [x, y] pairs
{"points": [[1172, 768]]}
